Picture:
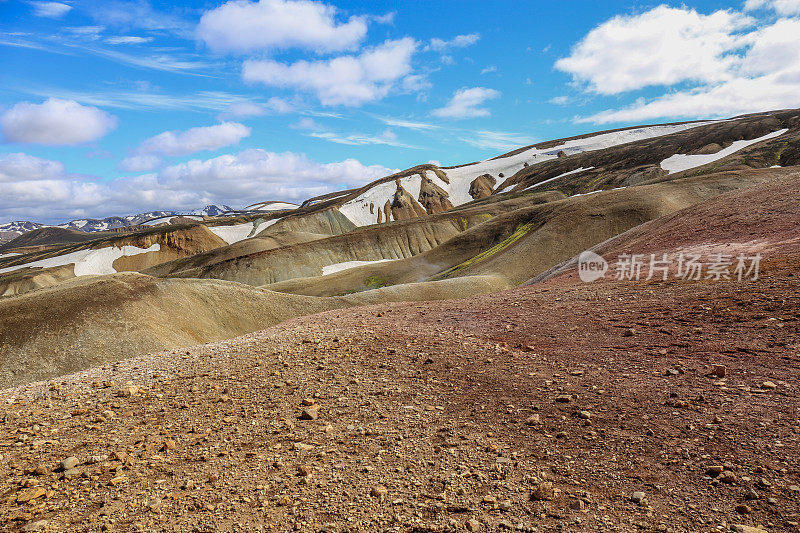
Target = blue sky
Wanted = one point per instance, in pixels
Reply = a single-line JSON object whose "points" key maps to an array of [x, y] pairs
{"points": [[111, 107]]}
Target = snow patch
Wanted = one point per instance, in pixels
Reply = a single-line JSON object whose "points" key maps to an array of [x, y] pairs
{"points": [[681, 162], [240, 232], [88, 262], [559, 176], [338, 267]]}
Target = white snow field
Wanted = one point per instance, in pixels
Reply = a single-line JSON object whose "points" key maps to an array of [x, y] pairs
{"points": [[338, 267], [358, 209], [11, 254], [240, 232], [88, 262], [681, 162], [577, 170]]}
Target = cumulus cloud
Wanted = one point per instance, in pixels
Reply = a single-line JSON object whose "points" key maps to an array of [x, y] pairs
{"points": [[55, 122], [40, 190], [663, 46], [243, 26], [459, 41], [466, 103], [195, 139], [715, 65], [175, 143], [350, 80], [50, 9], [781, 7]]}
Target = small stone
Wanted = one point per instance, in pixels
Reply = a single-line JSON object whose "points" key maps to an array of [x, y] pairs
{"points": [[38, 525], [69, 463], [72, 472], [768, 385], [489, 499], [638, 497], [119, 480], [128, 390], [715, 470], [169, 444], [40, 471], [727, 477], [379, 491], [533, 420], [473, 525], [751, 495], [310, 413], [505, 505], [793, 488], [719, 371], [743, 509], [304, 470], [577, 505], [564, 398], [630, 332], [308, 401], [544, 491], [505, 524], [741, 528], [30, 494], [561, 435], [584, 415]]}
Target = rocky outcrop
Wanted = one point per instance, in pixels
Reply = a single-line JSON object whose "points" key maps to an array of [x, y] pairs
{"points": [[433, 198], [482, 186], [404, 206]]}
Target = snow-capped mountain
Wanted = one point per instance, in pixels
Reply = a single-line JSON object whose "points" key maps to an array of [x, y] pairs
{"points": [[11, 230], [209, 210]]}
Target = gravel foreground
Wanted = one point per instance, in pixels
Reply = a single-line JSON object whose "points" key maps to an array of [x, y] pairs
{"points": [[612, 406]]}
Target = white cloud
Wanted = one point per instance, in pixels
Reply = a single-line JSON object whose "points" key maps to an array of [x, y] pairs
{"points": [[459, 41], [409, 124], [306, 123], [345, 80], [488, 69], [128, 39], [497, 140], [251, 109], [24, 167], [749, 70], [175, 143], [387, 138], [55, 122], [50, 9], [40, 190], [465, 103], [781, 7], [242, 26], [139, 163], [663, 46]]}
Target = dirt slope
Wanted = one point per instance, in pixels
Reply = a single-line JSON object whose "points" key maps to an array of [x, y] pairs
{"points": [[532, 409]]}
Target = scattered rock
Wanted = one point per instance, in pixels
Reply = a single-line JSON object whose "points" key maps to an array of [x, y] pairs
{"points": [[768, 385], [743, 509], [473, 525], [719, 371], [715, 470], [741, 528], [563, 398], [728, 477], [533, 420], [128, 390], [30, 494], [310, 413], [304, 470], [585, 415], [69, 463], [544, 491], [379, 491], [638, 497], [38, 525]]}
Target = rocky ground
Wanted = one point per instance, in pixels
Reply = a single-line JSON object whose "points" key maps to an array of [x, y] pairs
{"points": [[612, 406]]}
